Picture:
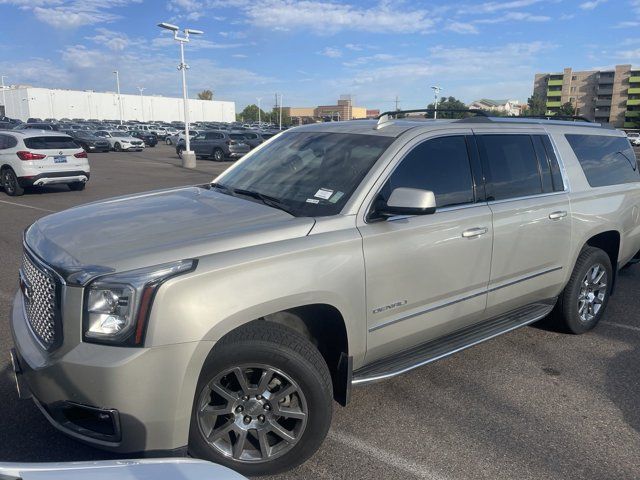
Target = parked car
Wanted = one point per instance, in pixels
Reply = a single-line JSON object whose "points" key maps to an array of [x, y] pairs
{"points": [[37, 126], [228, 317], [634, 138], [253, 139], [179, 135], [121, 141], [36, 158], [34, 120], [149, 139], [89, 141], [216, 145]]}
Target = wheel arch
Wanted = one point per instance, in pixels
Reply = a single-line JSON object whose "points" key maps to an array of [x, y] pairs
{"points": [[609, 242]]}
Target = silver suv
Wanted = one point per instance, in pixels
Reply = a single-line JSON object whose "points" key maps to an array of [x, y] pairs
{"points": [[224, 319]]}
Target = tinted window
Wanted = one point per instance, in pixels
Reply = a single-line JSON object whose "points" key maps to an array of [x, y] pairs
{"points": [[605, 160], [250, 136], [440, 165], [556, 176], [3, 141], [510, 166], [47, 143], [237, 136]]}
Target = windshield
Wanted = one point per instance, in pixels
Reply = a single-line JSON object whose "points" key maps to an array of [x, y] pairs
{"points": [[311, 174]]}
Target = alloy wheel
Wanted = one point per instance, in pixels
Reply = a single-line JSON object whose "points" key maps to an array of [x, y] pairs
{"points": [[252, 413], [593, 291], [7, 182]]}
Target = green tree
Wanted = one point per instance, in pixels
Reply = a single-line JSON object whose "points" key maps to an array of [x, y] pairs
{"points": [[566, 110], [205, 95], [537, 105], [250, 114], [275, 117], [448, 103]]}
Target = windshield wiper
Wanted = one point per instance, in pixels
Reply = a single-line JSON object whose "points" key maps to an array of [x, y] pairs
{"points": [[266, 199]]}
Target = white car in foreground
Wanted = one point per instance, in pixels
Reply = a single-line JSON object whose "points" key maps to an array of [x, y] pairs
{"points": [[157, 469], [121, 141], [39, 157]]}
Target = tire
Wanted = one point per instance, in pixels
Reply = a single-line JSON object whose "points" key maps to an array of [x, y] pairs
{"points": [[217, 155], [296, 370], [179, 152], [584, 300], [117, 147], [76, 186], [10, 183], [167, 141]]}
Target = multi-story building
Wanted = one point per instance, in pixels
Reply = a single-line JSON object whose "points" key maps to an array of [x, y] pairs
{"points": [[508, 107], [607, 96], [343, 110]]}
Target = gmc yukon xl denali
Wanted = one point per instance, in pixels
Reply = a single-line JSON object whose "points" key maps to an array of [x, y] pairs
{"points": [[224, 319]]}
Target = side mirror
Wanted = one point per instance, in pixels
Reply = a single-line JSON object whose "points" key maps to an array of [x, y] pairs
{"points": [[409, 201]]}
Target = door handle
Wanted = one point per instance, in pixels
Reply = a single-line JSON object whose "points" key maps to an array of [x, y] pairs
{"points": [[557, 215], [474, 232]]}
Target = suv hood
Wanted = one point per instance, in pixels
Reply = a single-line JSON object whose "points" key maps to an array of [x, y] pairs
{"points": [[152, 228]]}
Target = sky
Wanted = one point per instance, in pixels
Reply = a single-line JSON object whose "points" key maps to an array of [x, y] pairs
{"points": [[313, 51]]}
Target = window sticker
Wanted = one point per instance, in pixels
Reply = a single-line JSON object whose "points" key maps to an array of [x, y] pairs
{"points": [[313, 200], [324, 193], [336, 196]]}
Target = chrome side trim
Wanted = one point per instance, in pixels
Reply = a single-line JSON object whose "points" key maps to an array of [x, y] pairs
{"points": [[527, 197], [377, 378], [523, 279], [429, 309], [458, 300]]}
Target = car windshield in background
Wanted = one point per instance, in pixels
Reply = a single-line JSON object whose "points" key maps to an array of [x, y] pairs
{"points": [[47, 143], [309, 174]]}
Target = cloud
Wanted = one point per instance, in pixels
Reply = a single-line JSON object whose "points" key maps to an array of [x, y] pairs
{"points": [[462, 28], [330, 52], [591, 4], [116, 41], [323, 17], [514, 17], [492, 7]]}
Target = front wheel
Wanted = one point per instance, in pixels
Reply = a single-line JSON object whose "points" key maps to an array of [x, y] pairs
{"points": [[585, 298], [263, 402], [218, 155], [117, 147]]}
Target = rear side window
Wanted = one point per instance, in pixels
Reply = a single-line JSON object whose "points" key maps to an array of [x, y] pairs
{"points": [[510, 165], [48, 143], [7, 141], [237, 136], [605, 160], [440, 165]]}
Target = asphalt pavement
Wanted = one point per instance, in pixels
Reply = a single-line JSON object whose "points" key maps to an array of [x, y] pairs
{"points": [[531, 404]]}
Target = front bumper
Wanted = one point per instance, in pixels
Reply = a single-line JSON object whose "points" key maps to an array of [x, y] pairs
{"points": [[128, 400]]}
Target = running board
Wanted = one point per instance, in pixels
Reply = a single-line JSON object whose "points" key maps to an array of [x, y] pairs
{"points": [[450, 344]]}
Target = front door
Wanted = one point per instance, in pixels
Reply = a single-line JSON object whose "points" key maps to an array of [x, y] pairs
{"points": [[427, 275]]}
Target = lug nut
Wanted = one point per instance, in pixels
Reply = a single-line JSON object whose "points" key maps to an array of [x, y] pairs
{"points": [[258, 397], [239, 408], [267, 406], [245, 398], [261, 418], [247, 419]]}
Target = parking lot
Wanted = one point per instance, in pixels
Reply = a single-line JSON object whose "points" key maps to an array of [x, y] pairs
{"points": [[530, 404]]}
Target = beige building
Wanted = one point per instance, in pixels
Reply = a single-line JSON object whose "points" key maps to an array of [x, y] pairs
{"points": [[342, 110], [611, 96]]}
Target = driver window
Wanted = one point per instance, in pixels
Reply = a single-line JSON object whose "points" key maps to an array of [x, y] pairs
{"points": [[440, 165]]}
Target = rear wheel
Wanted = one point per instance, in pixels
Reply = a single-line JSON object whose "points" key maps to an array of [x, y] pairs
{"points": [[263, 402], [76, 186], [10, 183], [167, 141], [217, 155], [179, 151], [585, 298]]}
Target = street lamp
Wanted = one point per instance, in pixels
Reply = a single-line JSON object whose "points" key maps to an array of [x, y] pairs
{"points": [[436, 94], [259, 118], [141, 89], [117, 74], [280, 112], [188, 157], [4, 96]]}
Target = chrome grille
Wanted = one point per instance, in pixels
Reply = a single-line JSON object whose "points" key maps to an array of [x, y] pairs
{"points": [[39, 290]]}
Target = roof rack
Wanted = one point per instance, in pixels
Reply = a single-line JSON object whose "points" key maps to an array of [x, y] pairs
{"points": [[386, 117], [575, 118]]}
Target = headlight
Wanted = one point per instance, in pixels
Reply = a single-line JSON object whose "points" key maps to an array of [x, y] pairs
{"points": [[116, 307]]}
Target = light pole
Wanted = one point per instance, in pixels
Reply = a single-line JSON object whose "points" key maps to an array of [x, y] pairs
{"points": [[259, 117], [118, 90], [436, 93], [188, 157], [280, 112], [141, 89], [4, 96]]}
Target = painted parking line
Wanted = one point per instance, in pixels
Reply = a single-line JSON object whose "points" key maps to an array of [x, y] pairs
{"points": [[622, 325], [396, 461], [27, 206]]}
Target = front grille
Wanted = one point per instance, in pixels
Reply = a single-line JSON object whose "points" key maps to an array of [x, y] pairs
{"points": [[40, 291], [136, 143]]}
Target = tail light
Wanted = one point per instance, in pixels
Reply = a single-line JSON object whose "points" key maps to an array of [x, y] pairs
{"points": [[30, 156], [82, 154]]}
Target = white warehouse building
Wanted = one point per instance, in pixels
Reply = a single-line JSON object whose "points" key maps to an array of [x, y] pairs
{"points": [[24, 101]]}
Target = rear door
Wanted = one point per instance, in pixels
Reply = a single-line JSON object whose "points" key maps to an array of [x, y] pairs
{"points": [[531, 219], [60, 153]]}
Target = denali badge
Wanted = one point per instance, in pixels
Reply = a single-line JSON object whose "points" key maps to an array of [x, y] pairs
{"points": [[390, 306]]}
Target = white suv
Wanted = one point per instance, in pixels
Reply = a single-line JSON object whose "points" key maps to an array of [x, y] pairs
{"points": [[38, 157]]}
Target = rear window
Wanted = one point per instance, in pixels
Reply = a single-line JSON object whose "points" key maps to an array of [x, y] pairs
{"points": [[49, 143], [605, 160], [237, 136]]}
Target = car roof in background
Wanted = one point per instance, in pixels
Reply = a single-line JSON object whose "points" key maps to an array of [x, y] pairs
{"points": [[34, 132]]}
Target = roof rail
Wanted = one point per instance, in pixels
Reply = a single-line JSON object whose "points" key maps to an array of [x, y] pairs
{"points": [[386, 117], [575, 118]]}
